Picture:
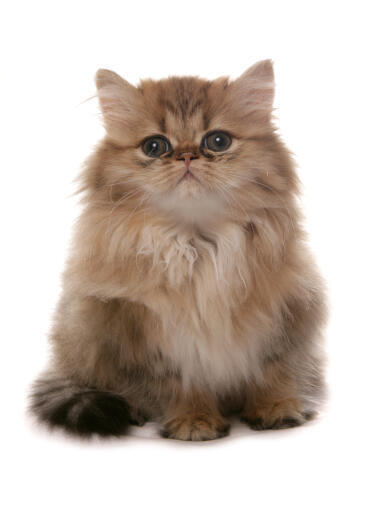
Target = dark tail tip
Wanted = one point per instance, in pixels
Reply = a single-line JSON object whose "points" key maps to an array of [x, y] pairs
{"points": [[80, 411]]}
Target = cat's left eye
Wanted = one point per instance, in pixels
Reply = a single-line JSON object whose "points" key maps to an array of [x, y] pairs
{"points": [[217, 141], [155, 146]]}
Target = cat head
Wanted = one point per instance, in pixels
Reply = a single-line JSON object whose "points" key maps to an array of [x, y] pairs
{"points": [[188, 146]]}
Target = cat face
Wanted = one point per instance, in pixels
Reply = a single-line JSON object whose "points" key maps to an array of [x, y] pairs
{"points": [[185, 145]]}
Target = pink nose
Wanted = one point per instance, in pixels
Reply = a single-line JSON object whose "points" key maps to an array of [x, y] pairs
{"points": [[187, 157]]}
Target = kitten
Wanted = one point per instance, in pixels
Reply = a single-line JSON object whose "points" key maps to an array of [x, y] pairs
{"points": [[189, 293]]}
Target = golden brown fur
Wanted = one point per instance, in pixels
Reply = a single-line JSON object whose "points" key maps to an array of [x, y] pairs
{"points": [[189, 300]]}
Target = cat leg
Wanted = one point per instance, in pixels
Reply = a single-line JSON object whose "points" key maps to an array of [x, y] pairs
{"points": [[293, 385], [87, 391], [194, 416], [274, 405]]}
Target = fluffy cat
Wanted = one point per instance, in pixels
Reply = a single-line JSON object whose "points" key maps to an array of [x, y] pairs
{"points": [[189, 293]]}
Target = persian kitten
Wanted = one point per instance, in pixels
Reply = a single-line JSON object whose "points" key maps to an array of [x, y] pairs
{"points": [[189, 293]]}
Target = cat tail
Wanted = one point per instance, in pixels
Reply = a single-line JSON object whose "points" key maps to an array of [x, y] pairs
{"points": [[61, 403]]}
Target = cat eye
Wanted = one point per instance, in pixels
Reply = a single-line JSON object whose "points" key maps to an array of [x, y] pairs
{"points": [[217, 141], [155, 146]]}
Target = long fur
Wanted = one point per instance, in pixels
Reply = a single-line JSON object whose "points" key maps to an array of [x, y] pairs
{"points": [[189, 301]]}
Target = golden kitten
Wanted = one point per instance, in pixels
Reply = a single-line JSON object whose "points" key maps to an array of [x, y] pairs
{"points": [[189, 293]]}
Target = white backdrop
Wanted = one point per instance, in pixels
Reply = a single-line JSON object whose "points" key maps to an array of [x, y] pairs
{"points": [[49, 54]]}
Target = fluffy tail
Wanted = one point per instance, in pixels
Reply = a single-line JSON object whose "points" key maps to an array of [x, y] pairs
{"points": [[61, 403]]}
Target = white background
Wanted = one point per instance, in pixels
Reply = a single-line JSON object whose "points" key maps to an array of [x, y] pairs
{"points": [[49, 54]]}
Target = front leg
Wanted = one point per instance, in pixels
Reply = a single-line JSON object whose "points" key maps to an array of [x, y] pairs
{"points": [[194, 415], [291, 389], [293, 385]]}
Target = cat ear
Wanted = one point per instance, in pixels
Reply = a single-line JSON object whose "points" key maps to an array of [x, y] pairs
{"points": [[119, 101], [254, 90]]}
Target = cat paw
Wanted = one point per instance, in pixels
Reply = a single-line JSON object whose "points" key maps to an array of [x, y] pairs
{"points": [[198, 426], [282, 415]]}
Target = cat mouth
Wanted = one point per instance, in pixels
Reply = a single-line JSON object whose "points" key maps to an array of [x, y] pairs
{"points": [[188, 176]]}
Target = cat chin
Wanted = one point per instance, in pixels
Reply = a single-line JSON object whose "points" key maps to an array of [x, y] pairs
{"points": [[191, 206]]}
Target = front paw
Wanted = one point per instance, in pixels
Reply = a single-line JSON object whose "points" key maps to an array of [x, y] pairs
{"points": [[196, 426], [280, 415]]}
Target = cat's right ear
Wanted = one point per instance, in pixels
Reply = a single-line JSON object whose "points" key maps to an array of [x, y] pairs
{"points": [[119, 102]]}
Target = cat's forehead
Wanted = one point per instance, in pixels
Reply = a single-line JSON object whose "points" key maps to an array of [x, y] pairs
{"points": [[180, 107]]}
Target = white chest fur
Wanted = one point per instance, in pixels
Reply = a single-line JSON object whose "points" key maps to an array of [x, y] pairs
{"points": [[205, 278]]}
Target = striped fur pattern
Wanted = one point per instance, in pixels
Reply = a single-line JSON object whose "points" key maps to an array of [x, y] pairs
{"points": [[185, 300]]}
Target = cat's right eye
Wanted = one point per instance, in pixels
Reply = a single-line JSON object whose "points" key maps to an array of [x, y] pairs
{"points": [[155, 146]]}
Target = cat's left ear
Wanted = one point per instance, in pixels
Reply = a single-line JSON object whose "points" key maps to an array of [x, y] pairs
{"points": [[254, 90]]}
